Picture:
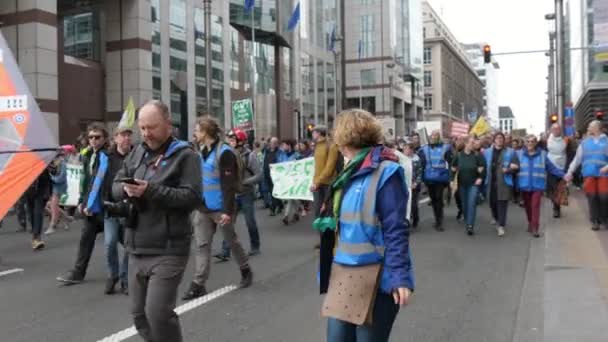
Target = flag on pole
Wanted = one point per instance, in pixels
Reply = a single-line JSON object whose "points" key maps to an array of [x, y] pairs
{"points": [[481, 127], [128, 116], [332, 40], [295, 18], [360, 49], [249, 5]]}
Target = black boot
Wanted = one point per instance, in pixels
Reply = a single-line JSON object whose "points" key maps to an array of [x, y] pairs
{"points": [[557, 212], [194, 291], [110, 284], [246, 277]]}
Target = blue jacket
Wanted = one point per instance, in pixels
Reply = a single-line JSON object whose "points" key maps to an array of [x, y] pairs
{"points": [[286, 156], [533, 170], [211, 184], [436, 168], [94, 201], [594, 156], [507, 156], [60, 181], [373, 229]]}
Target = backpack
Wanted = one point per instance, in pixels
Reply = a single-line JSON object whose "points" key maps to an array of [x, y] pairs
{"points": [[239, 164]]}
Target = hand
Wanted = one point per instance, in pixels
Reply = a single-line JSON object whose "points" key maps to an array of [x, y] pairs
{"points": [[87, 212], [505, 170], [568, 178], [514, 167], [478, 182], [314, 188], [402, 296], [414, 185], [135, 190], [224, 220], [604, 169]]}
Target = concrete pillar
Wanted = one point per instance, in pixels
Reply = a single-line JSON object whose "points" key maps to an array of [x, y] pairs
{"points": [[30, 27], [128, 54]]}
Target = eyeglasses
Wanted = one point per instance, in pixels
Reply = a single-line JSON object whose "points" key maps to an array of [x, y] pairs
{"points": [[94, 137], [530, 141]]}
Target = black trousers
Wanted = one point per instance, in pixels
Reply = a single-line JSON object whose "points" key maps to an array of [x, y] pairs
{"points": [[414, 214], [93, 225], [499, 209], [35, 214], [436, 192]]}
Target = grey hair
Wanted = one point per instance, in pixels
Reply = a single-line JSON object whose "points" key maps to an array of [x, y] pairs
{"points": [[531, 136], [160, 106], [596, 123]]}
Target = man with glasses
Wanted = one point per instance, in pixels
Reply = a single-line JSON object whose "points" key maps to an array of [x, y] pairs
{"points": [[96, 169]]}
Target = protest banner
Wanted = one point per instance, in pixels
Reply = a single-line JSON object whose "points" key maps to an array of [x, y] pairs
{"points": [[74, 173], [292, 180]]}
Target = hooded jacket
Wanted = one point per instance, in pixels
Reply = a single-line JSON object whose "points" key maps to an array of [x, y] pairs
{"points": [[163, 212]]}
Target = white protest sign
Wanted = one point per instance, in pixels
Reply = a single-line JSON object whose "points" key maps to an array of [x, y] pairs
{"points": [[75, 173], [292, 180]]}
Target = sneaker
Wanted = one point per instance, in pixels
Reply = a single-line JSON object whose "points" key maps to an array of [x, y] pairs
{"points": [[493, 222], [501, 231], [222, 257], [595, 227], [124, 288], [110, 284], [285, 220], [254, 252], [37, 244], [557, 214], [536, 235], [438, 227], [194, 291], [49, 231], [296, 217], [246, 277], [470, 231], [71, 278], [459, 216]]}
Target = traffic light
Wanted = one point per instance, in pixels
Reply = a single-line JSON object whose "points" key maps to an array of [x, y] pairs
{"points": [[309, 129], [599, 115], [554, 118], [487, 54]]}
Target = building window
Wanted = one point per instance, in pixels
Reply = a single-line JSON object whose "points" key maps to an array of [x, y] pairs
{"points": [[367, 35], [428, 78], [428, 55], [428, 101], [368, 77], [367, 2], [81, 36]]}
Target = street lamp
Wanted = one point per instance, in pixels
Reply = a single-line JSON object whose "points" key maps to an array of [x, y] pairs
{"points": [[390, 67], [558, 16]]}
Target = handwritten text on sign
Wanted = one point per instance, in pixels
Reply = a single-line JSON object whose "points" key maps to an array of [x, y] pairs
{"points": [[292, 180]]}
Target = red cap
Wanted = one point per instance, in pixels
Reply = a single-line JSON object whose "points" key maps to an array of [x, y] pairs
{"points": [[239, 134]]}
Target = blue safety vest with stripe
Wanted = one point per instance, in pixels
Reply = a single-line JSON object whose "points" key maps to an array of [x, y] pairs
{"points": [[94, 201], [507, 157], [436, 168], [594, 156], [532, 174], [360, 239], [212, 191]]}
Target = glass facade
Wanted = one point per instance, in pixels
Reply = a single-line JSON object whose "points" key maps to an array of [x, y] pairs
{"points": [[156, 62], [178, 66], [81, 35]]}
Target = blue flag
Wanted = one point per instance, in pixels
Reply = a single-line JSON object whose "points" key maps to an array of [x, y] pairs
{"points": [[249, 5], [295, 19], [360, 49], [332, 40]]}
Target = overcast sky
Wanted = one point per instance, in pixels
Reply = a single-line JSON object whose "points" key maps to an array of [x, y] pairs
{"points": [[512, 25]]}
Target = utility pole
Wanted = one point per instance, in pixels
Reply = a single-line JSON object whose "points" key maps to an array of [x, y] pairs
{"points": [[559, 34], [551, 81], [208, 58]]}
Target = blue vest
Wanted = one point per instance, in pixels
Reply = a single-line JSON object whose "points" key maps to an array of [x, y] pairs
{"points": [[594, 156], [95, 202], [360, 240], [436, 168], [507, 157], [532, 174], [212, 191]]}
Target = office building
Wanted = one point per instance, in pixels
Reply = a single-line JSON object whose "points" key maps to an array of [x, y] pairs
{"points": [[507, 122]]}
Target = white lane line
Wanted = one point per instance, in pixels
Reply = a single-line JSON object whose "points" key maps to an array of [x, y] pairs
{"points": [[14, 270], [130, 332], [423, 201]]}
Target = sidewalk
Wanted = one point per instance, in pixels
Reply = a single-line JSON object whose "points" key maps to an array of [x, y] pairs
{"points": [[575, 297]]}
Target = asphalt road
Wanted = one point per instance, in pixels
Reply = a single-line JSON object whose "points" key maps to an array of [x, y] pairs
{"points": [[467, 288]]}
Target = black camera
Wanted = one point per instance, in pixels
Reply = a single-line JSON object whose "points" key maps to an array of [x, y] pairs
{"points": [[123, 209]]}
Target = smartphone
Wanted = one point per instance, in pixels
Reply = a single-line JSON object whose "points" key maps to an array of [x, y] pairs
{"points": [[127, 180]]}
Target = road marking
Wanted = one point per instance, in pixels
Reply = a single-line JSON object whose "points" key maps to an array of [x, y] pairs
{"points": [[14, 270], [423, 201], [130, 332]]}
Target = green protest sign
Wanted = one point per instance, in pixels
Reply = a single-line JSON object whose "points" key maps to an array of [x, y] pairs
{"points": [[292, 180], [74, 175], [242, 114]]}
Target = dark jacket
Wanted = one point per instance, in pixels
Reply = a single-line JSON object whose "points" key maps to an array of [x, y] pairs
{"points": [[41, 187], [251, 173], [174, 190], [229, 178], [115, 163]]}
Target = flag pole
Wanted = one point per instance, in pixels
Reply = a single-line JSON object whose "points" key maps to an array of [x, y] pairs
{"points": [[253, 68]]}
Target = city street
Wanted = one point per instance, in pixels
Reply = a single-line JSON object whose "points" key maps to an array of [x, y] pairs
{"points": [[467, 289]]}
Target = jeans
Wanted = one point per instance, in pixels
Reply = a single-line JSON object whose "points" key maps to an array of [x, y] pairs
{"points": [[385, 312], [436, 191], [468, 195], [153, 283], [245, 205], [113, 235]]}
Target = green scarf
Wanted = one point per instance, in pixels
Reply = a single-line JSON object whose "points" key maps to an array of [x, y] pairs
{"points": [[330, 222]]}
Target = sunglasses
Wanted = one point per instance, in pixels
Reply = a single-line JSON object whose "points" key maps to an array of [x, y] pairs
{"points": [[530, 141], [94, 137]]}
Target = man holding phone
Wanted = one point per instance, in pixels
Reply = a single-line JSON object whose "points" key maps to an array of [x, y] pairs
{"points": [[166, 173], [96, 172]]}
